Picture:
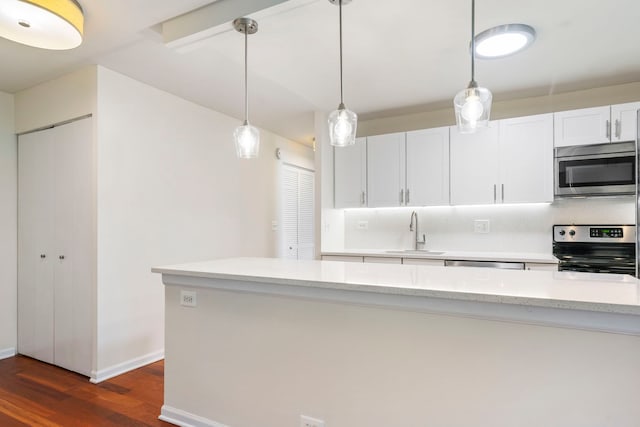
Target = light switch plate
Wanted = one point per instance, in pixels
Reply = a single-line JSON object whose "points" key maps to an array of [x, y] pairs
{"points": [[188, 298], [363, 225]]}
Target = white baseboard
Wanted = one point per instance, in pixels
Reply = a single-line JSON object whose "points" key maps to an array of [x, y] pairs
{"points": [[121, 368], [182, 418], [7, 353]]}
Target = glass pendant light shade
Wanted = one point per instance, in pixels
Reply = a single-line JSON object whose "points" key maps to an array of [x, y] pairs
{"points": [[247, 140], [246, 137], [473, 108], [343, 124], [473, 104]]}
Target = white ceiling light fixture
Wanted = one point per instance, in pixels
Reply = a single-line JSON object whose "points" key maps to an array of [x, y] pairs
{"points": [[342, 122], [246, 137], [504, 40], [473, 104], [46, 24]]}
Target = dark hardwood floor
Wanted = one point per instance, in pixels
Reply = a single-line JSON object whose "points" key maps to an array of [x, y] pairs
{"points": [[33, 393]]}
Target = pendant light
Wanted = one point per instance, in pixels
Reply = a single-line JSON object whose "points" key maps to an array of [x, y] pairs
{"points": [[46, 24], [342, 122], [246, 137], [473, 104]]}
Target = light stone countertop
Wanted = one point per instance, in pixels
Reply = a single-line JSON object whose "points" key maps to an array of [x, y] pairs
{"points": [[588, 292], [532, 257]]}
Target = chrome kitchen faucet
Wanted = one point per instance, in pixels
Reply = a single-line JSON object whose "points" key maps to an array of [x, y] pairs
{"points": [[412, 227]]}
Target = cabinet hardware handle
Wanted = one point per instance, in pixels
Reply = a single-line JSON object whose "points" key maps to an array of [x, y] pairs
{"points": [[495, 197], [61, 257], [608, 129], [362, 199], [401, 197], [618, 128], [43, 256], [502, 193], [407, 196]]}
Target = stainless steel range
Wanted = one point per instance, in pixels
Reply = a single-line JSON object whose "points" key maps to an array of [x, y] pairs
{"points": [[595, 248]]}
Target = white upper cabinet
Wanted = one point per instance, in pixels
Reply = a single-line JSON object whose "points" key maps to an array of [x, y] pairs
{"points": [[386, 170], [597, 125], [350, 174], [427, 182], [474, 166], [526, 159], [624, 118]]}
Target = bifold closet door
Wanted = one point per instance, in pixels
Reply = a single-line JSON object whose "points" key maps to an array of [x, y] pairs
{"points": [[35, 245], [56, 255]]}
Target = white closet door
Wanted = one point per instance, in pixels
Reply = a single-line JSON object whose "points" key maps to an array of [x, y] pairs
{"points": [[289, 213], [36, 246], [73, 260], [306, 239], [298, 239]]}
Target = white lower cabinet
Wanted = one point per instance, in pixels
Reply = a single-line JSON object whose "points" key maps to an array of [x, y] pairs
{"points": [[56, 262], [343, 258], [423, 261], [383, 260]]}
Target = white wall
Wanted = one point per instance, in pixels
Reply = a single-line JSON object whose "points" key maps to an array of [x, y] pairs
{"points": [[8, 226], [64, 98], [171, 190], [517, 228], [352, 366]]}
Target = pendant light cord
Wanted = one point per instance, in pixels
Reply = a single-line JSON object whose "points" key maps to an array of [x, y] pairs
{"points": [[473, 40], [341, 91], [246, 84]]}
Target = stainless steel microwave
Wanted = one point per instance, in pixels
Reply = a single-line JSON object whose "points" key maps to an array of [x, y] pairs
{"points": [[595, 170]]}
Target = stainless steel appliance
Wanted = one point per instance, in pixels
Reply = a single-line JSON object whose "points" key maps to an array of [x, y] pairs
{"points": [[491, 264], [595, 248], [595, 170]]}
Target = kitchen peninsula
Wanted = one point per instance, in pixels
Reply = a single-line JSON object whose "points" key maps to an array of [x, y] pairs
{"points": [[359, 344]]}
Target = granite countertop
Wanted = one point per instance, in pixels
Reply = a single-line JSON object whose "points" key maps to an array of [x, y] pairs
{"points": [[533, 257], [608, 293]]}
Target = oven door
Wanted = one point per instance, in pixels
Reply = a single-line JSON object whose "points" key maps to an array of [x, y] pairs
{"points": [[584, 173], [617, 258]]}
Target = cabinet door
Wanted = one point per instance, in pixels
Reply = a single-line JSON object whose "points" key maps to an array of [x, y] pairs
{"points": [[72, 257], [526, 159], [385, 170], [350, 175], [582, 127], [625, 121], [474, 166], [343, 258], [427, 167], [36, 184]]}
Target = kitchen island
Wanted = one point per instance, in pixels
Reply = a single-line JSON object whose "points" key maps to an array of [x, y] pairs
{"points": [[358, 344]]}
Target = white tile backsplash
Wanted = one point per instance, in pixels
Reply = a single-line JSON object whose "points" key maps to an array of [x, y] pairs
{"points": [[517, 228]]}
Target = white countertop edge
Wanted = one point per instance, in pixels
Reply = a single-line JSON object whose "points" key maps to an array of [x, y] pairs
{"points": [[453, 255], [610, 318]]}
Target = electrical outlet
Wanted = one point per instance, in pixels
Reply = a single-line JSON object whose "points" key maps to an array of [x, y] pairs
{"points": [[188, 298], [481, 226], [274, 225], [363, 225], [306, 421]]}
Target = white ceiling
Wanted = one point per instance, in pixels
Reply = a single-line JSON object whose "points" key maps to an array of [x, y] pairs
{"points": [[400, 56]]}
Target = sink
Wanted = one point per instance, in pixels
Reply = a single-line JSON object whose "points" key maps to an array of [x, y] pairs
{"points": [[415, 252]]}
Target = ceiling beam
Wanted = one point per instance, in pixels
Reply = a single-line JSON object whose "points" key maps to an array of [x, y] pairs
{"points": [[184, 32]]}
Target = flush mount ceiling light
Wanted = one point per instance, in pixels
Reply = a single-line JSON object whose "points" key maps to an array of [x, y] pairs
{"points": [[246, 137], [473, 104], [342, 122], [504, 40], [46, 24]]}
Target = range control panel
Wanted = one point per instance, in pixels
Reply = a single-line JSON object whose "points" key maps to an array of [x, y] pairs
{"points": [[595, 233], [606, 232]]}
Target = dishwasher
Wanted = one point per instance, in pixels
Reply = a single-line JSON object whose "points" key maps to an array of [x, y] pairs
{"points": [[489, 264]]}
